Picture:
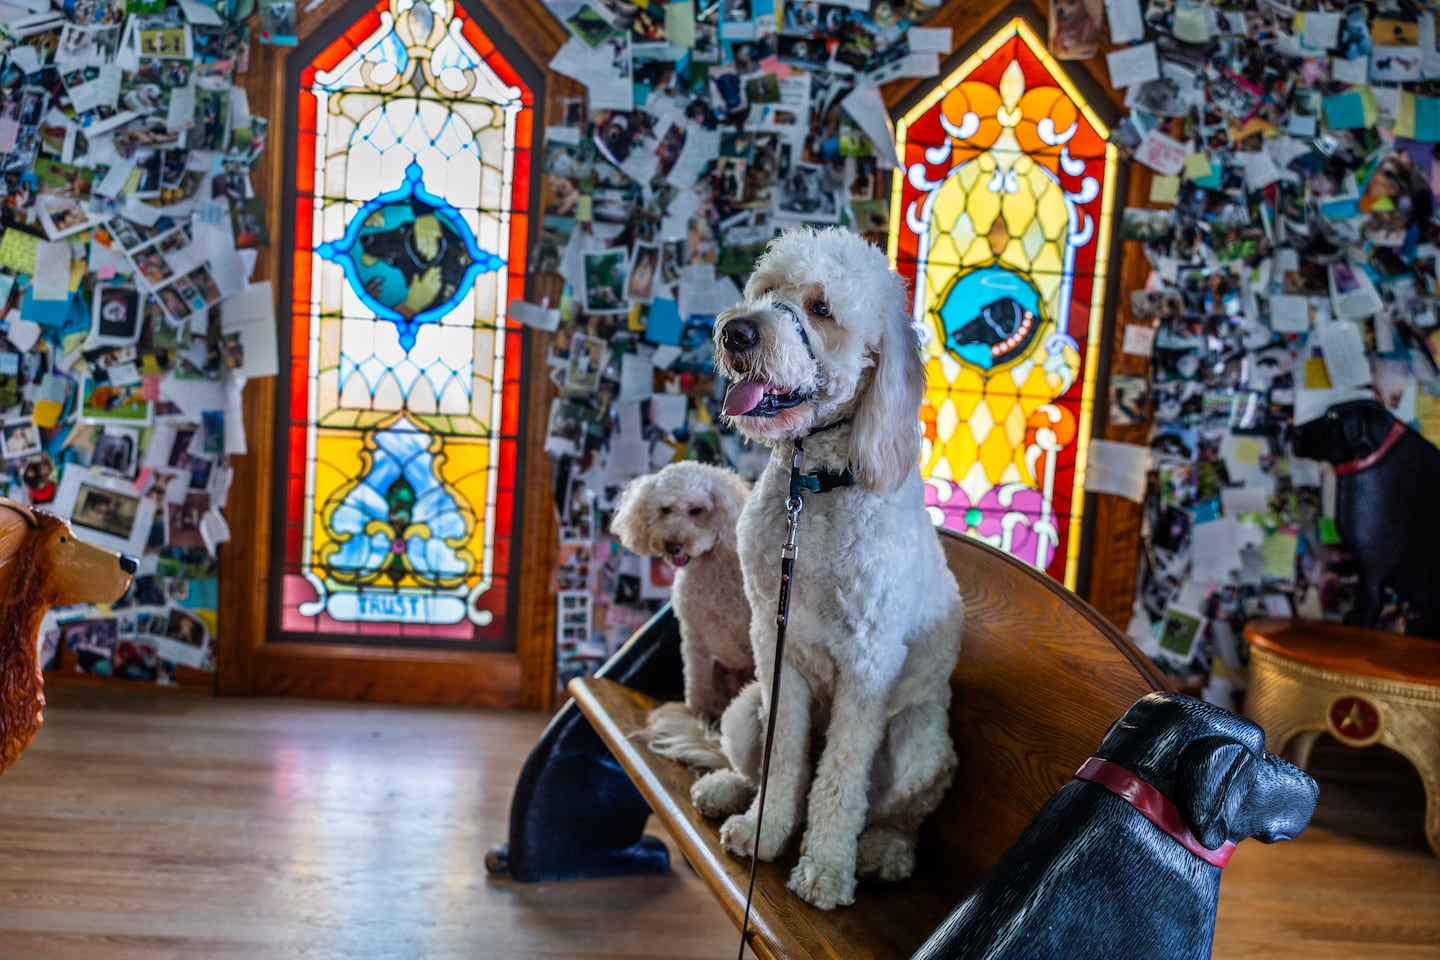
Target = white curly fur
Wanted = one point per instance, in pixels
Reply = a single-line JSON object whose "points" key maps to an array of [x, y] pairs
{"points": [[875, 617], [687, 513]]}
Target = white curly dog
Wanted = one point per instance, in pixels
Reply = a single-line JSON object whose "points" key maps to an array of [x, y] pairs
{"points": [[822, 350], [686, 513]]}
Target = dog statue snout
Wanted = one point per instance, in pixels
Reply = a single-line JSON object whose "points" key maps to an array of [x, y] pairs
{"points": [[740, 335], [128, 563]]}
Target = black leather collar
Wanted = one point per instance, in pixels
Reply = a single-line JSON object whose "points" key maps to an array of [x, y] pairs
{"points": [[823, 481]]}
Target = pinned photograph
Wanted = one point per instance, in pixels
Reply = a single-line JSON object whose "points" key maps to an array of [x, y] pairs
{"points": [[117, 315], [113, 403], [640, 288], [277, 23], [19, 438], [1075, 28], [605, 276], [116, 451], [804, 193], [186, 640], [107, 511], [587, 363], [1180, 635]]}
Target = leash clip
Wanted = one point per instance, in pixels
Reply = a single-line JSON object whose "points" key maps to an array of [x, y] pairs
{"points": [[793, 506]]}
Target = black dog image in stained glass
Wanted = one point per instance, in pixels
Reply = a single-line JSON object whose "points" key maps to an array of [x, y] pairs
{"points": [[411, 258], [991, 316]]}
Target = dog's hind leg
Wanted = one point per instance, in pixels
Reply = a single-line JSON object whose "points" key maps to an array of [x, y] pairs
{"points": [[911, 773]]}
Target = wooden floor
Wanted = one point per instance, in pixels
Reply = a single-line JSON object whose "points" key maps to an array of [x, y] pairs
{"points": [[154, 825]]}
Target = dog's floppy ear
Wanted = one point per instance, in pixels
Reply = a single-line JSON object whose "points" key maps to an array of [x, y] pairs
{"points": [[1364, 426], [1212, 782], [885, 441], [627, 523], [728, 495]]}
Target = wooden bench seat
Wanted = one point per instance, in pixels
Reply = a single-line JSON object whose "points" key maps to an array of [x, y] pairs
{"points": [[1040, 678]]}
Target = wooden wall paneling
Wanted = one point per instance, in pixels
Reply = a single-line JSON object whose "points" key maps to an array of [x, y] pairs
{"points": [[1114, 523], [249, 665]]}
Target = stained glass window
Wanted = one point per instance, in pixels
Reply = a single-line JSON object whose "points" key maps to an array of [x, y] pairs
{"points": [[411, 191], [1001, 221]]}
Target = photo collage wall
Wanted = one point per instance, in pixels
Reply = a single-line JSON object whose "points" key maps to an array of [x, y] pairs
{"points": [[1291, 236], [130, 323]]}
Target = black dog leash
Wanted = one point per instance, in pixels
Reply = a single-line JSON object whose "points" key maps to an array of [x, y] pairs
{"points": [[793, 505]]}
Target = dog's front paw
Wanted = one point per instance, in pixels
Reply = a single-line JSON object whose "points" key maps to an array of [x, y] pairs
{"points": [[721, 793], [738, 836], [821, 884]]}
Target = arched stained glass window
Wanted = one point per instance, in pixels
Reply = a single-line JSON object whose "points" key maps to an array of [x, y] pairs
{"points": [[411, 191], [1001, 222]]}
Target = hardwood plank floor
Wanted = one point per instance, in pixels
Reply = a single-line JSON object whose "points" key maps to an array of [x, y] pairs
{"points": [[154, 825]]}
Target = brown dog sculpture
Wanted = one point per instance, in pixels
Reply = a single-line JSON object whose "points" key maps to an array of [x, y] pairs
{"points": [[42, 564]]}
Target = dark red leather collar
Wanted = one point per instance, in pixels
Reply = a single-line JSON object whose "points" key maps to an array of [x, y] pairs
{"points": [[1397, 430], [1153, 804]]}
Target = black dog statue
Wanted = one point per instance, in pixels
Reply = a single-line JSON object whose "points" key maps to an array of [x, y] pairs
{"points": [[1386, 475], [1123, 863]]}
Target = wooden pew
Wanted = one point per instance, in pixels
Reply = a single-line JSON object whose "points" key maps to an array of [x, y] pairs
{"points": [[1040, 678]]}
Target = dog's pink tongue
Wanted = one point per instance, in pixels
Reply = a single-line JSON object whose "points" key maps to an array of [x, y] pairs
{"points": [[742, 396]]}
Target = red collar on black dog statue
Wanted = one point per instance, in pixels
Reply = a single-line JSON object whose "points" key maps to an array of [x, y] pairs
{"points": [[1153, 805], [1355, 466]]}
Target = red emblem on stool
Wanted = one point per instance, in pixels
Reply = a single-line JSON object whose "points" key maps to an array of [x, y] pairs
{"points": [[1354, 721]]}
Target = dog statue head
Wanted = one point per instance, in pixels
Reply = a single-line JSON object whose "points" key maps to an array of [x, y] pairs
{"points": [[823, 335], [1213, 766], [1347, 431], [681, 512]]}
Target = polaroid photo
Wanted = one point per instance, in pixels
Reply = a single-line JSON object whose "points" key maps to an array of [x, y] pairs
{"points": [[113, 403], [1180, 634], [167, 42], [62, 217], [116, 450], [104, 510], [19, 438], [644, 267], [183, 520], [587, 363], [605, 277], [186, 640], [91, 643], [803, 193], [116, 315]]}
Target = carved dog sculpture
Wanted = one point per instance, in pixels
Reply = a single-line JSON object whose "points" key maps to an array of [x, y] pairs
{"points": [[1095, 878], [1387, 475], [41, 564]]}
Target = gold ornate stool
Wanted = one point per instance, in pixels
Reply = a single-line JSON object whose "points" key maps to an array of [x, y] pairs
{"points": [[1361, 686]]}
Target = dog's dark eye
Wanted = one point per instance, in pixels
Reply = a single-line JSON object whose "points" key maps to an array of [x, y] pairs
{"points": [[664, 511], [820, 308], [696, 511]]}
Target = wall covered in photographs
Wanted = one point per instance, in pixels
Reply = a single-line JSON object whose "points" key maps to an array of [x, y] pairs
{"points": [[1291, 234], [130, 233]]}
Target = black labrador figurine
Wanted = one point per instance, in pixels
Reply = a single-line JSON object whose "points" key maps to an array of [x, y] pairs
{"points": [[1123, 863], [1387, 478]]}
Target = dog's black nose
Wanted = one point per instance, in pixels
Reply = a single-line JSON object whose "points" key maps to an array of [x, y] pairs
{"points": [[128, 563], [740, 335]]}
